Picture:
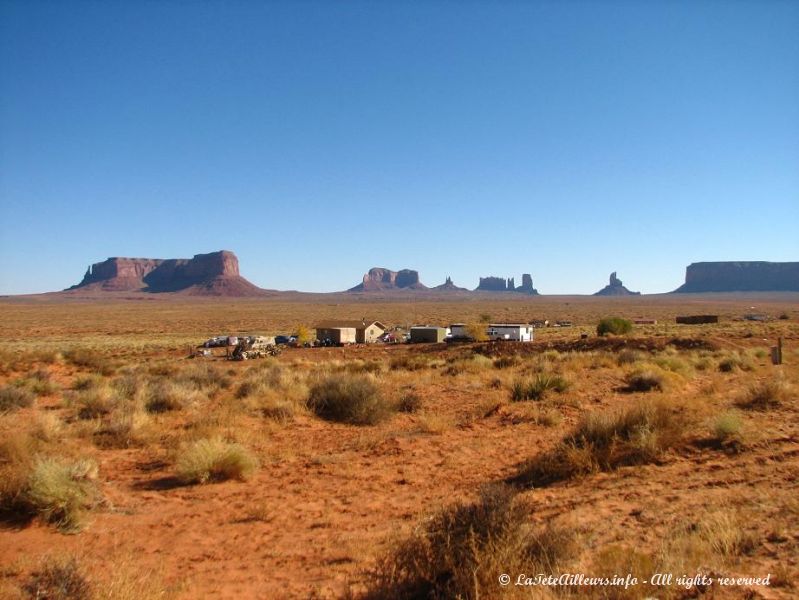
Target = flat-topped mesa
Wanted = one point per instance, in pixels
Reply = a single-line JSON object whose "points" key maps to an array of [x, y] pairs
{"points": [[615, 288], [741, 276], [213, 274], [379, 279], [500, 284]]}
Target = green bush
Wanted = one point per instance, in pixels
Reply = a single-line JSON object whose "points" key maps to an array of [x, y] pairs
{"points": [[350, 399], [214, 459], [614, 325]]}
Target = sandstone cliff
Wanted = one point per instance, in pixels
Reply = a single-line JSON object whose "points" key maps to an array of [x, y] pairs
{"points": [[214, 274], [380, 279], [615, 288], [749, 276]]}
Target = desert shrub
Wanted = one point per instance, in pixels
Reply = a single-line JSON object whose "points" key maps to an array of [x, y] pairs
{"points": [[58, 579], [409, 362], [614, 325], [123, 428], [87, 382], [765, 395], [248, 388], [536, 388], [727, 429], [92, 403], [733, 361], [784, 316], [645, 380], [363, 366], [278, 409], [214, 459], [60, 492], [629, 357], [166, 396], [202, 377], [409, 402], [128, 386], [13, 397], [506, 362], [459, 551], [38, 382], [675, 364], [351, 399], [639, 434], [90, 361], [17, 450]]}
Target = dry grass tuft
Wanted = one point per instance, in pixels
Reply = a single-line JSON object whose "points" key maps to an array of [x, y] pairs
{"points": [[459, 552], [211, 460], [409, 402], [727, 429], [59, 579], [62, 493], [13, 397], [765, 395], [537, 388], [639, 434], [645, 380]]}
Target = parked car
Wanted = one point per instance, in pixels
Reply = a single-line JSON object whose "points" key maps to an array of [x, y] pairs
{"points": [[283, 339], [216, 342]]}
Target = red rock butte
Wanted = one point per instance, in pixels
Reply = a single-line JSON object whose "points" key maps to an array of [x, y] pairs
{"points": [[213, 274]]}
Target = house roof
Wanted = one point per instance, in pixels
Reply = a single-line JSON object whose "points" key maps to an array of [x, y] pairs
{"points": [[508, 325], [352, 323]]}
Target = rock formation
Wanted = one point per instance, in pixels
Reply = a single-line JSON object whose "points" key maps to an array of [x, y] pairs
{"points": [[748, 276], [499, 284], [615, 288], [380, 279], [214, 274], [527, 285], [448, 286]]}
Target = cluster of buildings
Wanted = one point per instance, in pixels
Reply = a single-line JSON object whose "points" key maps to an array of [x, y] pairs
{"points": [[367, 331]]}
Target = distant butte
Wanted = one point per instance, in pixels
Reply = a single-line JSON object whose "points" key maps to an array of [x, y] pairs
{"points": [[213, 274], [615, 288], [381, 279]]}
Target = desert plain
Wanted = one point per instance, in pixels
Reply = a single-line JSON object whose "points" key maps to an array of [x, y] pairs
{"points": [[129, 470]]}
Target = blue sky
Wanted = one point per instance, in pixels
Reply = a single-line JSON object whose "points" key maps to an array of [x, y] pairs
{"points": [[318, 139]]}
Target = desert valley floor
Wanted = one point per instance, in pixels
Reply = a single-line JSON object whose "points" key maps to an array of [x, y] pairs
{"points": [[479, 457]]}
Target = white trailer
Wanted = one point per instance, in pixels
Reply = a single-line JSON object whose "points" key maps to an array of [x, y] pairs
{"points": [[517, 332]]}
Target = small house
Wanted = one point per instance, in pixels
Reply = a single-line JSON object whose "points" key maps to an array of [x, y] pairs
{"points": [[427, 334], [350, 332], [518, 332], [645, 321]]}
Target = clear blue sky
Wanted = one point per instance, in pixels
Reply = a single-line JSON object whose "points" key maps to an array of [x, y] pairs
{"points": [[318, 139]]}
